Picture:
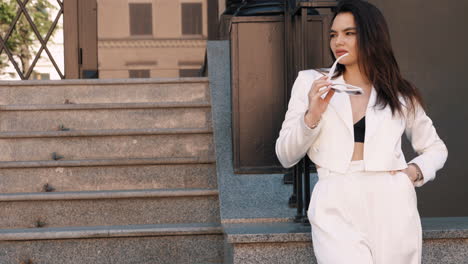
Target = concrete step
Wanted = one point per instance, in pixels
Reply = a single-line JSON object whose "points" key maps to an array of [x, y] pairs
{"points": [[104, 91], [80, 145], [105, 162], [445, 240], [60, 209], [182, 243], [114, 177], [104, 116]]}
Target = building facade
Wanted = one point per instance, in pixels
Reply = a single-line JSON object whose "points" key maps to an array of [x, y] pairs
{"points": [[132, 39], [153, 38]]}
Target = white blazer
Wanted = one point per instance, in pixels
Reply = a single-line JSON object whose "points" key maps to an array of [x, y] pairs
{"points": [[331, 143]]}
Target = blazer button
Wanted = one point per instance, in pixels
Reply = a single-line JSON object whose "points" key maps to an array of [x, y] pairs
{"points": [[398, 154]]}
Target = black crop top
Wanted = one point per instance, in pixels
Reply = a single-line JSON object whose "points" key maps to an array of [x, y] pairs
{"points": [[360, 130]]}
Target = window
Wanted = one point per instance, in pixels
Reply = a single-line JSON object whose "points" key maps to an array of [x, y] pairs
{"points": [[139, 73], [192, 19], [189, 72], [141, 19], [40, 76]]}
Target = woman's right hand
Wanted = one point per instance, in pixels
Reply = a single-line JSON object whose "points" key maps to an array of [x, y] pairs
{"points": [[317, 105]]}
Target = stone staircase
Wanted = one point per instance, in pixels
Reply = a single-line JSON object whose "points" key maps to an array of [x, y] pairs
{"points": [[108, 171]]}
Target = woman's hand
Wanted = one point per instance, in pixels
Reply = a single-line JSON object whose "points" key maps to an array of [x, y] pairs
{"points": [[411, 171], [317, 105]]}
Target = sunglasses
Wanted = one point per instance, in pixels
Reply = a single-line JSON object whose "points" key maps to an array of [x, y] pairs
{"points": [[342, 87]]}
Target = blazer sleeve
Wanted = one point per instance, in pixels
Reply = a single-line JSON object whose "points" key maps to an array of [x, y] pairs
{"points": [[432, 152], [295, 137]]}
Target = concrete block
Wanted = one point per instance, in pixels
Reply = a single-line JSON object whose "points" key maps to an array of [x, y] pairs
{"points": [[237, 192]]}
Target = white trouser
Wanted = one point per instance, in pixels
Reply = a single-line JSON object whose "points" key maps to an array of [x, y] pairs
{"points": [[364, 217]]}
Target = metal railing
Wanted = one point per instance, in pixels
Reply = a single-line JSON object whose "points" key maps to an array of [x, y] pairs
{"points": [[300, 197], [298, 58]]}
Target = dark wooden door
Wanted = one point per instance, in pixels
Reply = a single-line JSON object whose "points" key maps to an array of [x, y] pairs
{"points": [[258, 102], [430, 47]]}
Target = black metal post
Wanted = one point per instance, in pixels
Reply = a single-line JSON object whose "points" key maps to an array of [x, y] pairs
{"points": [[306, 187], [298, 185]]}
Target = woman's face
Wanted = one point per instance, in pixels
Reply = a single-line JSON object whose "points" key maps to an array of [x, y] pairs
{"points": [[343, 38]]}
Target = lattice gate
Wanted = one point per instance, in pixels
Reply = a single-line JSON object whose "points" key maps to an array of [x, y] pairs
{"points": [[24, 24]]}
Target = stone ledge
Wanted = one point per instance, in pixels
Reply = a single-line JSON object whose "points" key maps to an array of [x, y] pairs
{"points": [[120, 194], [110, 231], [105, 81], [95, 106], [445, 227], [266, 232], [433, 228], [256, 220], [105, 132], [106, 162]]}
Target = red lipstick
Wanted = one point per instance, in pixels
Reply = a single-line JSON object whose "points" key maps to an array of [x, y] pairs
{"points": [[340, 52]]}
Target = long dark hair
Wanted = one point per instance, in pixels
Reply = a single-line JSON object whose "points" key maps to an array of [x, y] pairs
{"points": [[376, 59]]}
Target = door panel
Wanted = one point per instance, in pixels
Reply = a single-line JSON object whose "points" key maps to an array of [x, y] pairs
{"points": [[431, 51], [87, 35]]}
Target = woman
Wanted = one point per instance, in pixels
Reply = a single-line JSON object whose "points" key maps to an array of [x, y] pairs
{"points": [[363, 209]]}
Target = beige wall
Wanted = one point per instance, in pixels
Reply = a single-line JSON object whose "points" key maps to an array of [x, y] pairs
{"points": [[161, 53]]}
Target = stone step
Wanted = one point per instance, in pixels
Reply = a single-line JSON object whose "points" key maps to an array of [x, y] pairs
{"points": [[104, 91], [61, 209], [114, 177], [102, 144], [105, 162], [104, 132], [182, 243], [445, 240], [104, 116]]}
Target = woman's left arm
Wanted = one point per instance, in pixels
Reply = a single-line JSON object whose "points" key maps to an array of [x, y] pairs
{"points": [[432, 152]]}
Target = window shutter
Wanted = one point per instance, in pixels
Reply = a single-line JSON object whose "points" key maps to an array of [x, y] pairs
{"points": [[141, 19], [192, 19], [189, 72]]}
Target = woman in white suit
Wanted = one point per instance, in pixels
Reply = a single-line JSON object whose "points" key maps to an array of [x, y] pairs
{"points": [[363, 209]]}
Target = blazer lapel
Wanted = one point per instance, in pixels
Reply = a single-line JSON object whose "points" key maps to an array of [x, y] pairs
{"points": [[342, 105], [374, 115]]}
